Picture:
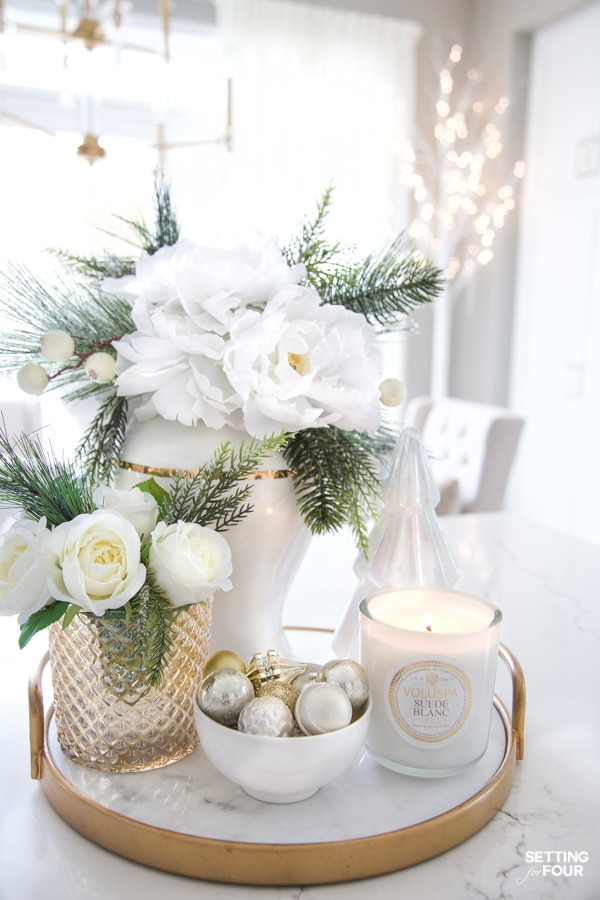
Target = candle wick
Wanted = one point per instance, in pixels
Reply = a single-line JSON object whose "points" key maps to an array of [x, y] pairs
{"points": [[428, 628]]}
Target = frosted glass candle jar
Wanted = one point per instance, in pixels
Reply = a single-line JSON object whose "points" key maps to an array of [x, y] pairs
{"points": [[431, 660]]}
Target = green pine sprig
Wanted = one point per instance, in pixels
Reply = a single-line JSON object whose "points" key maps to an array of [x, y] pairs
{"points": [[110, 265], [153, 628], [337, 481], [386, 286], [218, 494], [164, 232], [40, 484], [103, 440]]}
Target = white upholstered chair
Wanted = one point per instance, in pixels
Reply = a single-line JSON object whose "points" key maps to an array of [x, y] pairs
{"points": [[472, 447]]}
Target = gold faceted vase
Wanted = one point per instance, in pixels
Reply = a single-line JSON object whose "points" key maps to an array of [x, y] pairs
{"points": [[107, 717]]}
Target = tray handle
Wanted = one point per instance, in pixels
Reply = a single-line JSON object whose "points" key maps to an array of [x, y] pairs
{"points": [[518, 697], [36, 719]]}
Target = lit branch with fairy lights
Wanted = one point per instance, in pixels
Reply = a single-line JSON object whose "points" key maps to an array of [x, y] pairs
{"points": [[459, 212]]}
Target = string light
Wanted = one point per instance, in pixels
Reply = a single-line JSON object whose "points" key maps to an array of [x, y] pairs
{"points": [[458, 211]]}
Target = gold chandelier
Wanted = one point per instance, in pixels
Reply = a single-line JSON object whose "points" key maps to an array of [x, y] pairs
{"points": [[89, 33]]}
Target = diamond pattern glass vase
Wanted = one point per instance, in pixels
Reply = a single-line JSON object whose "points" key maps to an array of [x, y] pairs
{"points": [[106, 716]]}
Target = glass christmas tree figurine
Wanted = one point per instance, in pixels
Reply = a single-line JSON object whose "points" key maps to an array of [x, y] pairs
{"points": [[407, 546]]}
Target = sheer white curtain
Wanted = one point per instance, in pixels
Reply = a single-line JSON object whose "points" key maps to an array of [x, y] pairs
{"points": [[319, 96]]}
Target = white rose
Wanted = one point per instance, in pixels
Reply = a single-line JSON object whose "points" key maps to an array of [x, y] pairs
{"points": [[184, 300], [99, 561], [303, 364], [25, 564], [138, 506], [189, 561]]}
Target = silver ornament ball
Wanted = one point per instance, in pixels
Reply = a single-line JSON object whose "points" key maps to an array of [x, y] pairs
{"points": [[300, 681], [223, 694], [350, 676]]}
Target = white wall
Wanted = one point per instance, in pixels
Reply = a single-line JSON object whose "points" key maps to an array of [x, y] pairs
{"points": [[556, 365]]}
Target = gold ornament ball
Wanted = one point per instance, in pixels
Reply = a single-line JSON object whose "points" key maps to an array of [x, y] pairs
{"points": [[270, 666], [223, 659], [392, 392], [281, 690]]}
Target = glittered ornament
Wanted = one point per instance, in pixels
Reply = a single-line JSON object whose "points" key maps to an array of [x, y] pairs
{"points": [[223, 694], [270, 666], [350, 676], [223, 659], [300, 681], [281, 690], [323, 707], [266, 716]]}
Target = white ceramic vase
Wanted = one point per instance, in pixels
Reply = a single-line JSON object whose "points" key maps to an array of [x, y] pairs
{"points": [[267, 547]]}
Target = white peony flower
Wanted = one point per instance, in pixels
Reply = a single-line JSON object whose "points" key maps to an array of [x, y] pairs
{"points": [[25, 564], [184, 300], [189, 561], [138, 506], [99, 564], [304, 364]]}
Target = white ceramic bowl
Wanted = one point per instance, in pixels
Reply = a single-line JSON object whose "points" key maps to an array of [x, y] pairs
{"points": [[280, 770]]}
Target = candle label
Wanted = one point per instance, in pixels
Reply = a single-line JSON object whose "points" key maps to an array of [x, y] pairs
{"points": [[429, 701]]}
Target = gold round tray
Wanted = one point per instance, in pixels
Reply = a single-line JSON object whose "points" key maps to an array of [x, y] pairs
{"points": [[261, 863]]}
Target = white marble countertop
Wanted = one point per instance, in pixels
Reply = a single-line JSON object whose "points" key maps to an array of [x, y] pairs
{"points": [[546, 585]]}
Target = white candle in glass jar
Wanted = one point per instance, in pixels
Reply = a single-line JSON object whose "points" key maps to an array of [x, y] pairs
{"points": [[431, 660]]}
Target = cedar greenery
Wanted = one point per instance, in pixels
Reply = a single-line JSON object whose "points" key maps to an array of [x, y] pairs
{"points": [[312, 249], [101, 444], [336, 480], [153, 628], [217, 495], [383, 287]]}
